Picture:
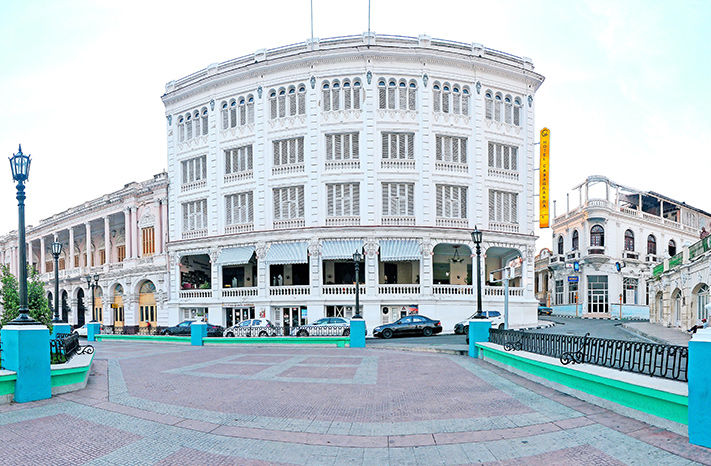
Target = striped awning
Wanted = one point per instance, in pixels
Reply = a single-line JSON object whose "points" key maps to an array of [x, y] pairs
{"points": [[235, 256], [399, 250], [287, 253], [341, 249]]}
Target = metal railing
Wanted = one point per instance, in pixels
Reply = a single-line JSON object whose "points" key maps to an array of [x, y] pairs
{"points": [[66, 345], [322, 330], [656, 360]]}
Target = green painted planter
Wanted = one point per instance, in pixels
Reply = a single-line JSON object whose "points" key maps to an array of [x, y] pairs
{"points": [[7, 384], [62, 377], [671, 406]]}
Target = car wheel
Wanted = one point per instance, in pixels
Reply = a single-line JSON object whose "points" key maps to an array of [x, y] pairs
{"points": [[501, 326], [346, 332], [427, 331], [229, 334], [387, 333], [458, 331], [262, 333], [302, 333]]}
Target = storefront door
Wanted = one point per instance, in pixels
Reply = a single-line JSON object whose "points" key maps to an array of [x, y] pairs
{"points": [[235, 315], [292, 317]]}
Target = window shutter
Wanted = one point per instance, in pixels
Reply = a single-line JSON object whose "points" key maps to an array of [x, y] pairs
{"points": [[250, 111], [347, 105], [329, 146], [338, 149], [203, 160], [224, 118], [465, 103], [393, 146], [440, 200], [330, 188], [386, 199], [186, 226], [492, 206], [276, 193], [385, 145], [489, 109], [356, 96], [301, 201], [336, 94], [355, 203], [381, 97], [463, 153], [514, 208], [355, 146], [463, 202], [302, 101], [436, 100], [514, 158], [273, 106], [438, 147], [410, 190], [300, 148], [391, 96], [403, 96], [410, 146], [250, 207], [412, 98], [228, 210]]}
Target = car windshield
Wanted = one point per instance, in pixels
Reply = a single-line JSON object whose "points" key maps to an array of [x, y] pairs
{"points": [[338, 320], [321, 322], [494, 313]]}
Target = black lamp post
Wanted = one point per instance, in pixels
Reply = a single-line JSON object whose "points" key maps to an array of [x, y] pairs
{"points": [[357, 257], [92, 287], [476, 237], [56, 251], [20, 166]]}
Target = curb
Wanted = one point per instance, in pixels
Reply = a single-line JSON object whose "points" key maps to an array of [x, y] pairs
{"points": [[646, 335], [422, 349], [545, 324]]}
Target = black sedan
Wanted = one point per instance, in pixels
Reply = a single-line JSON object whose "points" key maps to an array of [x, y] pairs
{"points": [[183, 328], [409, 325]]}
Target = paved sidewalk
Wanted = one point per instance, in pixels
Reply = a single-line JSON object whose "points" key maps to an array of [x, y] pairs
{"points": [[659, 333], [248, 405]]}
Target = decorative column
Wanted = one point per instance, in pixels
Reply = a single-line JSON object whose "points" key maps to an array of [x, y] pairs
{"points": [[134, 232], [43, 265], [29, 254], [315, 266], [262, 271], [107, 240], [71, 249], [426, 272], [127, 232], [164, 224], [88, 244], [371, 267], [158, 237]]}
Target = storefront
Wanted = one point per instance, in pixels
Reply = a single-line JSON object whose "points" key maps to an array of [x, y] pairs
{"points": [[236, 314], [289, 317]]}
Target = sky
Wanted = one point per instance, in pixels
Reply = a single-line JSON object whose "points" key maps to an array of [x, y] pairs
{"points": [[81, 81]]}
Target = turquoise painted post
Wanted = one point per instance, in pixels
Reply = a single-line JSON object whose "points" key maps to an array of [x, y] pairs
{"points": [[92, 329], [198, 331], [700, 388], [357, 333], [478, 333], [60, 328], [25, 350]]}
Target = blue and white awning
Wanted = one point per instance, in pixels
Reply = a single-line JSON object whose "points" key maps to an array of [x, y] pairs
{"points": [[287, 253], [235, 256], [341, 249], [399, 250]]}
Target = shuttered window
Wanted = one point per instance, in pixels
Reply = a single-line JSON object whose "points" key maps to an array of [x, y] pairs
{"points": [[194, 169], [503, 108], [451, 148], [398, 145], [399, 199], [239, 208], [396, 94], [503, 206], [289, 151], [195, 215], [287, 101], [343, 199], [238, 160], [288, 202], [451, 201], [193, 124], [503, 156], [342, 146], [238, 111], [148, 241]]}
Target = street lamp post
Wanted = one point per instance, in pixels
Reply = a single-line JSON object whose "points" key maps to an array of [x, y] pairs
{"points": [[56, 251], [20, 166], [357, 257], [92, 287], [476, 237]]}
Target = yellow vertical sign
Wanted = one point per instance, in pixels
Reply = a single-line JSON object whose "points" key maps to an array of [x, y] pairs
{"points": [[544, 174]]}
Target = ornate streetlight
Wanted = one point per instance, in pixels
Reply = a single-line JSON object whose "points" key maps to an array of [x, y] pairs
{"points": [[357, 257], [20, 166], [56, 251], [92, 287], [476, 237]]}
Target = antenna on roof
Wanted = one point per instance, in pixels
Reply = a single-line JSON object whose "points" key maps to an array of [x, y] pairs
{"points": [[312, 22], [368, 18]]}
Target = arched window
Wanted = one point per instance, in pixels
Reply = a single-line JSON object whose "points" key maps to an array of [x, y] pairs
{"points": [[402, 95], [147, 287], [281, 102], [242, 111], [188, 127], [273, 104], [196, 119], [517, 111], [651, 245], [597, 236], [560, 245], [412, 96], [497, 106], [302, 100], [382, 100], [489, 104], [445, 98], [347, 98], [508, 109], [292, 101], [576, 240], [204, 121], [465, 101], [233, 113], [181, 129], [391, 94], [356, 94], [456, 100], [672, 248], [225, 117], [250, 109], [336, 96], [629, 240], [436, 97], [702, 299]]}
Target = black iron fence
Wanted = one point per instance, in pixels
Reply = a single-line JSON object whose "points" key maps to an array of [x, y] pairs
{"points": [[66, 345], [666, 361], [255, 331], [322, 330]]}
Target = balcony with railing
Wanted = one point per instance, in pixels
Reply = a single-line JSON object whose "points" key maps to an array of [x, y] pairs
{"points": [[398, 164], [499, 291], [290, 290], [288, 169], [344, 221], [241, 228], [194, 186], [398, 220], [452, 222], [239, 176], [239, 292], [453, 290], [401, 289], [452, 167], [190, 234], [503, 174], [289, 223], [195, 294], [630, 255], [339, 165], [505, 227], [341, 290]]}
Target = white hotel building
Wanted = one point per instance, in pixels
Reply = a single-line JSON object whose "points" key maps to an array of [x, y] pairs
{"points": [[285, 162], [613, 224]]}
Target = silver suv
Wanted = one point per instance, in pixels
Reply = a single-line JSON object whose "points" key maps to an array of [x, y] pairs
{"points": [[252, 328], [328, 326]]}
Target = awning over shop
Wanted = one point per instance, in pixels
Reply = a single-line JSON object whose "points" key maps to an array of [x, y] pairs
{"points": [[340, 249], [287, 253], [399, 250], [235, 256]]}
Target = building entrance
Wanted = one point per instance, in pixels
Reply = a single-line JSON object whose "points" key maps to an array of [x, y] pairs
{"points": [[235, 315], [598, 300], [290, 317]]}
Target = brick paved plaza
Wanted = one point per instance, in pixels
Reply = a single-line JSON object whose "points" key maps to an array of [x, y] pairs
{"points": [[171, 404]]}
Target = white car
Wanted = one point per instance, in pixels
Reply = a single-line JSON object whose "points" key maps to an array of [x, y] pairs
{"points": [[495, 317], [81, 331], [252, 328]]}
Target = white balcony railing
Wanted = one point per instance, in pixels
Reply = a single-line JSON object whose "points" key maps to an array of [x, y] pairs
{"points": [[499, 291], [457, 290], [191, 294], [195, 233], [193, 186], [350, 164], [239, 292], [596, 250], [456, 167], [289, 223], [290, 290], [398, 164], [288, 169], [599, 203], [399, 289], [506, 227], [245, 227], [503, 173], [347, 221], [239, 176], [573, 255], [452, 222], [404, 220], [630, 255], [557, 258], [340, 290], [651, 258]]}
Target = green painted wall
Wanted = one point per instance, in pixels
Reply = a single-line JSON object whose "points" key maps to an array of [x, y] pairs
{"points": [[61, 377], [656, 402], [7, 384]]}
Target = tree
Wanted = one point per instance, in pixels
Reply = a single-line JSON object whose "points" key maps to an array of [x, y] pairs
{"points": [[36, 298]]}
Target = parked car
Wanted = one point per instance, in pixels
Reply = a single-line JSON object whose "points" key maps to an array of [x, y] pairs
{"points": [[81, 331], [544, 310], [409, 325], [183, 328], [497, 321], [252, 328], [330, 326]]}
